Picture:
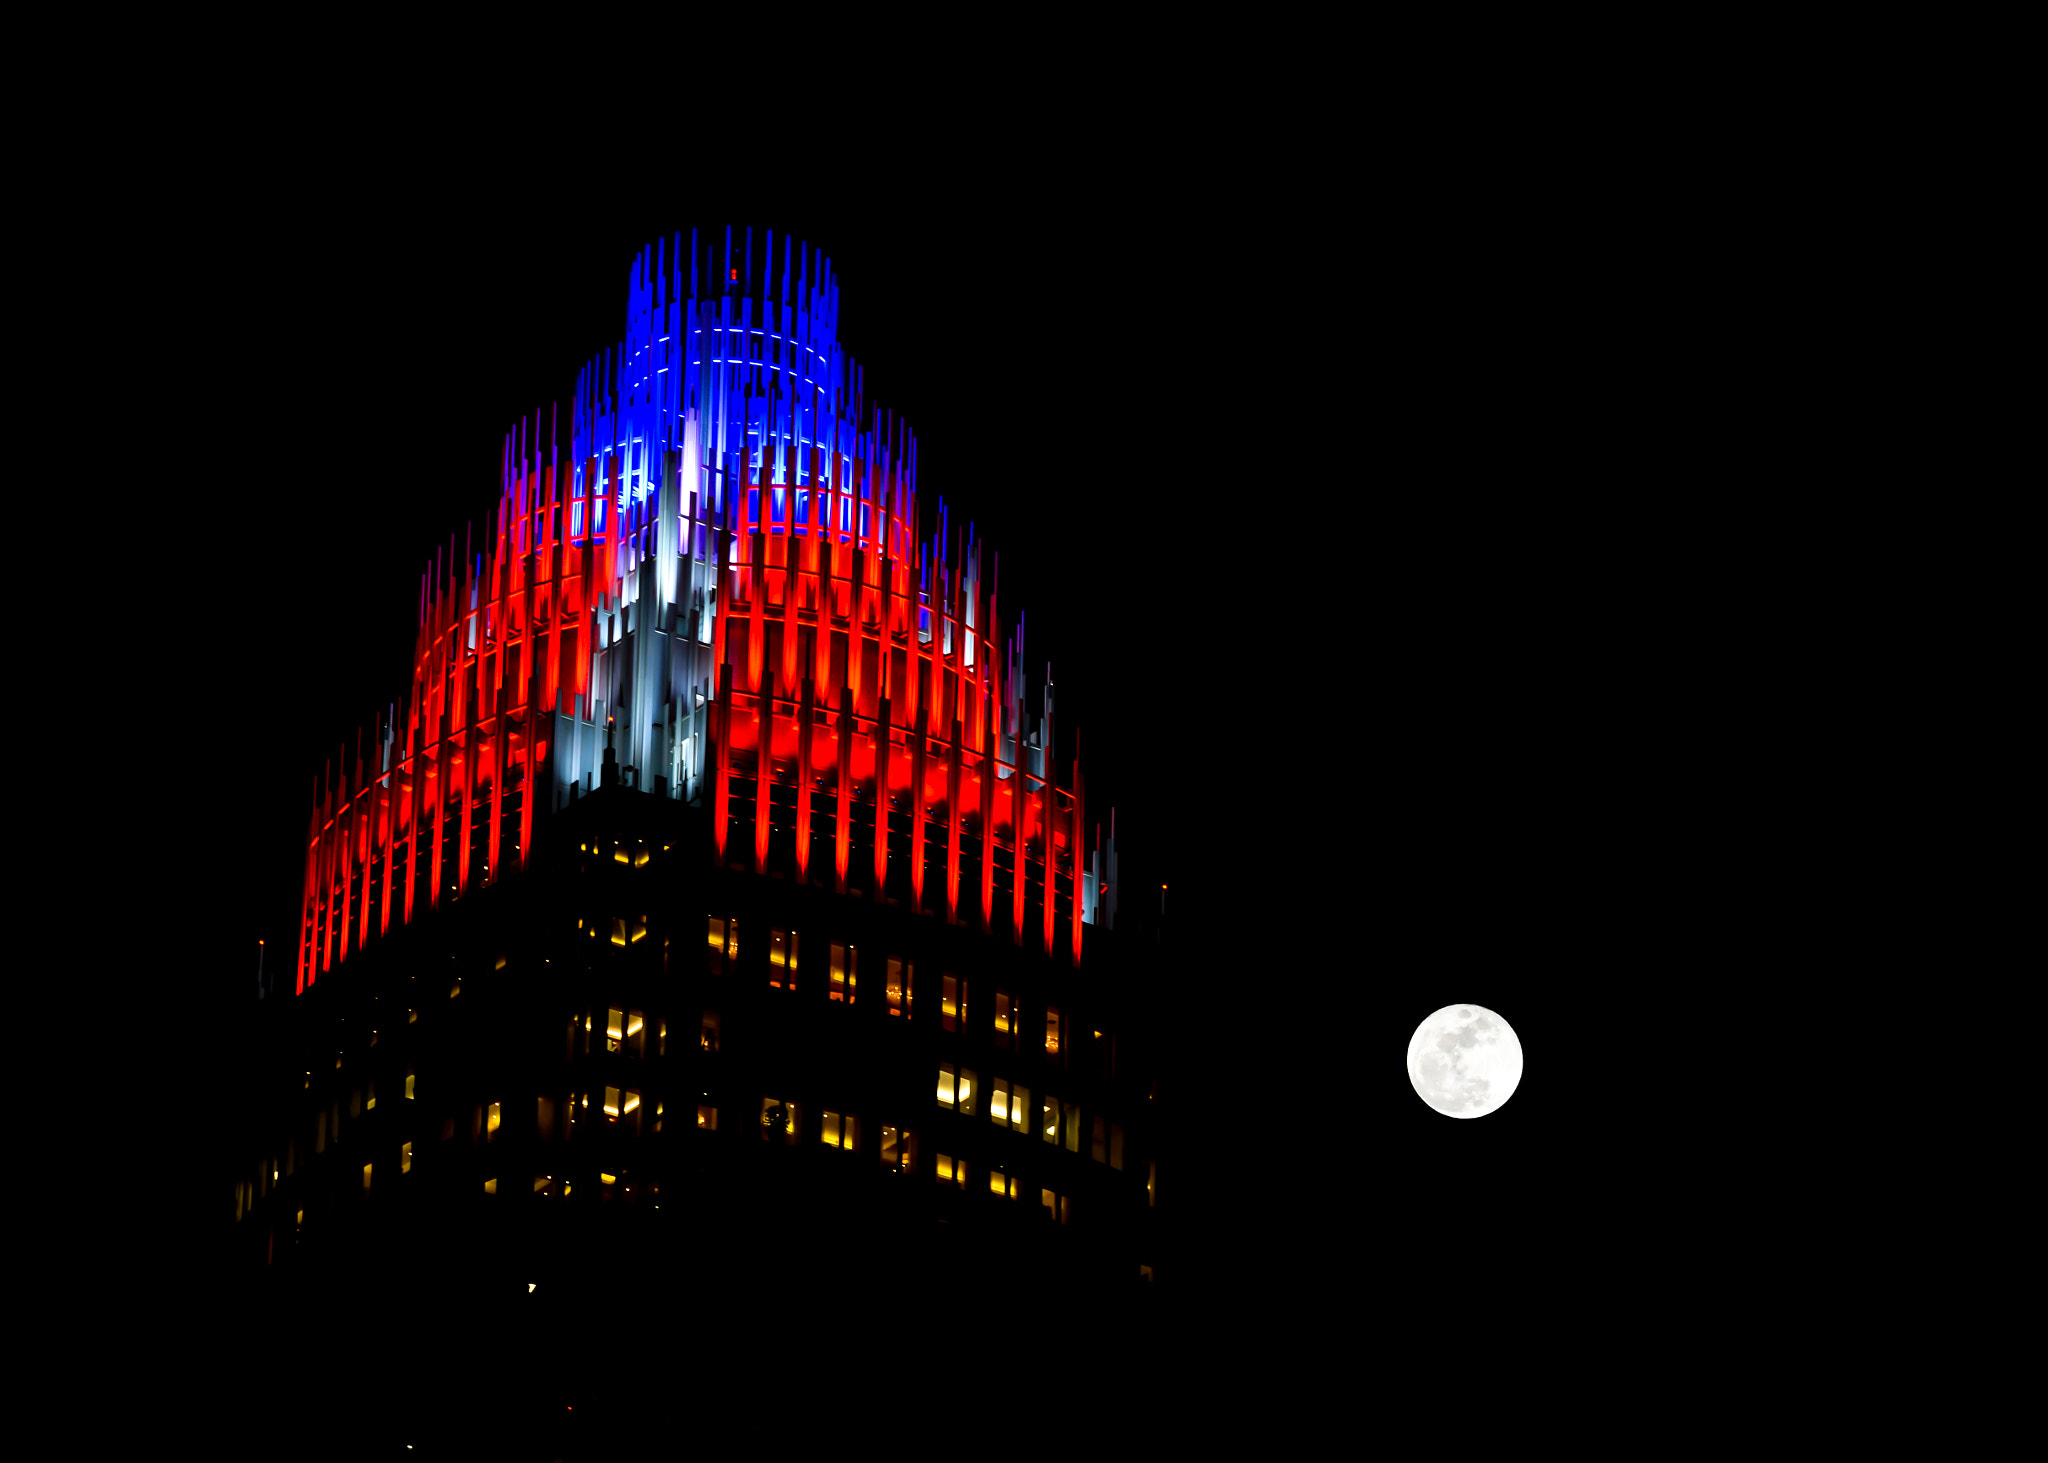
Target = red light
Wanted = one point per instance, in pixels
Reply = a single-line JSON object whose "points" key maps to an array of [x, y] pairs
{"points": [[735, 275]]}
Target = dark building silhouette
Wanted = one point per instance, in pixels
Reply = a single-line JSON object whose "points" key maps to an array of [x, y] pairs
{"points": [[711, 922]]}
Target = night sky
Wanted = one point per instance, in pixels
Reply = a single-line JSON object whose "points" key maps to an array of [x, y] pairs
{"points": [[1315, 514]]}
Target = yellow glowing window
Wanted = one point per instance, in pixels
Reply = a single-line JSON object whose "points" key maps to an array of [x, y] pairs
{"points": [[1066, 1208], [725, 942], [366, 1178], [967, 1089], [405, 1158], [999, 1101], [636, 1034], [618, 931], [631, 1110], [657, 1117], [845, 961], [899, 986], [491, 1121], [608, 1179], [947, 1086], [1049, 1118], [1049, 1201], [619, 855], [1002, 1018], [541, 1182], [640, 858], [707, 1119], [899, 1149], [779, 1119], [639, 929], [1152, 1182], [951, 1171], [839, 1131], [1073, 1116], [490, 1186], [1001, 1184], [1053, 1031], [614, 1028], [782, 952], [611, 1102], [661, 1039], [370, 1101], [952, 1002], [707, 1034], [408, 1084]]}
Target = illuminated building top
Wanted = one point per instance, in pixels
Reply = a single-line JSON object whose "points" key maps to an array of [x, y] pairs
{"points": [[715, 570]]}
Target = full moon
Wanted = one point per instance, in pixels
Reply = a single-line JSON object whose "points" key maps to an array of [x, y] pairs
{"points": [[1465, 1061]]}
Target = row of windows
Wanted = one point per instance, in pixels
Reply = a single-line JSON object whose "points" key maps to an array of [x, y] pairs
{"points": [[959, 1091], [899, 989]]}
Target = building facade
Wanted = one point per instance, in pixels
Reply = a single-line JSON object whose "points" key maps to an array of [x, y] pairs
{"points": [[715, 875]]}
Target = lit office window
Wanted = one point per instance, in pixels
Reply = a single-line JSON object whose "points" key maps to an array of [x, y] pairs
{"points": [[1072, 1113], [611, 1103], [782, 959], [366, 1178], [707, 1118], [950, 1170], [967, 1090], [899, 1149], [657, 1117], [1001, 1184], [491, 1122], [837, 1131], [779, 1120], [1055, 1031], [1152, 1181], [1049, 1118], [999, 1101], [725, 941], [1049, 1202], [614, 1029], [845, 972], [948, 1086], [707, 1033], [405, 1158], [1003, 1019], [629, 1115], [900, 981], [408, 1084], [370, 1099], [618, 931], [661, 1039], [1020, 1109], [952, 1002]]}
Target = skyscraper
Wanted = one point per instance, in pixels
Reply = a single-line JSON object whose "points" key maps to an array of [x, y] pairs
{"points": [[713, 897]]}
